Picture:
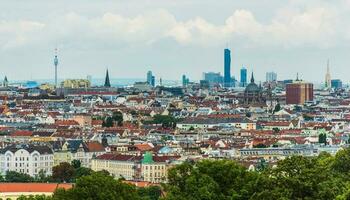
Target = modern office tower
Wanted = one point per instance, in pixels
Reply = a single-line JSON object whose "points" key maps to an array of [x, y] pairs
{"points": [[153, 81], [299, 92], [149, 77], [337, 84], [107, 81], [328, 77], [213, 78], [271, 77], [185, 80], [55, 62], [227, 68], [243, 81]]}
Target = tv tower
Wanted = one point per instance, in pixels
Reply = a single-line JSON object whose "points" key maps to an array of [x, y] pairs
{"points": [[55, 62]]}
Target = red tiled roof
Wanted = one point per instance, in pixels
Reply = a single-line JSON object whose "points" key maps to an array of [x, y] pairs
{"points": [[20, 133], [32, 187]]}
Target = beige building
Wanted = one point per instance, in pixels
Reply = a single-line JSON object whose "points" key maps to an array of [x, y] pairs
{"points": [[148, 168], [76, 83]]}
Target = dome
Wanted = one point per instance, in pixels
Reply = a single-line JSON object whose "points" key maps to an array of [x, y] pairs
{"points": [[252, 87]]}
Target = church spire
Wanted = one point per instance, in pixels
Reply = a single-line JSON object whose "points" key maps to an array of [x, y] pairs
{"points": [[252, 79], [107, 82]]}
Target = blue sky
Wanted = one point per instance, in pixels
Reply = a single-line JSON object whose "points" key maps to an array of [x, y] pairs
{"points": [[173, 37]]}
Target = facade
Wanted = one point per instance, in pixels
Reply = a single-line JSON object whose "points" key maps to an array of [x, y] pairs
{"points": [[299, 92], [213, 78], [148, 168], [76, 83], [253, 93], [227, 68], [336, 84], [28, 159], [78, 150], [271, 77], [243, 81], [185, 81], [199, 123]]}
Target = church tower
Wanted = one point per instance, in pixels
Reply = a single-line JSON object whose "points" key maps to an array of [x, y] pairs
{"points": [[107, 81], [328, 77]]}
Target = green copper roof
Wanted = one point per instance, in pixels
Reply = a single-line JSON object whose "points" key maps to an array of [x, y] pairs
{"points": [[147, 158]]}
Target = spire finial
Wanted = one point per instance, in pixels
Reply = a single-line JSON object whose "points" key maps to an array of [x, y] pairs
{"points": [[252, 79]]}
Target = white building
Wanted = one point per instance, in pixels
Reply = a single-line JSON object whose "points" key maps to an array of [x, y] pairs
{"points": [[25, 158]]}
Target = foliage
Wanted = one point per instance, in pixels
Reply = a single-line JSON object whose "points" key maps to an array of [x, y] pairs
{"points": [[64, 172], [76, 164], [13, 176], [36, 197], [166, 121], [322, 138], [98, 187], [118, 118]]}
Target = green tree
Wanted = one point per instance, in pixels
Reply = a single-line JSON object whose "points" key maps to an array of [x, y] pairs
{"points": [[63, 172], [150, 193], [82, 171], [36, 197], [98, 187], [118, 118], [108, 122], [76, 164], [13, 176]]}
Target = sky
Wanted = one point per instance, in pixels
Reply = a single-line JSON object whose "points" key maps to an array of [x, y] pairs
{"points": [[174, 37]]}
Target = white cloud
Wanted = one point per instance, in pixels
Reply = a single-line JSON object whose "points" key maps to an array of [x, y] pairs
{"points": [[317, 25]]}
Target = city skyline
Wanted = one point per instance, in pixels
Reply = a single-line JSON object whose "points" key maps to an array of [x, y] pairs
{"points": [[294, 37]]}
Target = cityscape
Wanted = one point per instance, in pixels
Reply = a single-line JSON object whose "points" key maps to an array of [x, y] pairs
{"points": [[234, 131]]}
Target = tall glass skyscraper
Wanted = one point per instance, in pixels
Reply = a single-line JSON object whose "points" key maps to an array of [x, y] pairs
{"points": [[243, 81], [227, 68]]}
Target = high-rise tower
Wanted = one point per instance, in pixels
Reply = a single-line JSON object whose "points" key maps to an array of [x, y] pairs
{"points": [[227, 68], [55, 62], [328, 77], [107, 81], [243, 81]]}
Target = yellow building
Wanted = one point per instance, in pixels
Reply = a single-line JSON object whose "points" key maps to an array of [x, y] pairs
{"points": [[148, 168], [76, 83]]}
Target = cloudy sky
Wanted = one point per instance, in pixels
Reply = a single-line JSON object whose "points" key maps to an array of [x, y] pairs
{"points": [[174, 37]]}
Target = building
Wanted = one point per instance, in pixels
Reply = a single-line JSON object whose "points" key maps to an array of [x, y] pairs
{"points": [[227, 68], [78, 150], [213, 78], [205, 123], [243, 81], [337, 84], [148, 168], [55, 62], [76, 83], [185, 80], [253, 93], [16, 190], [107, 81], [151, 79], [271, 77], [26, 158], [299, 92], [5, 83], [328, 77]]}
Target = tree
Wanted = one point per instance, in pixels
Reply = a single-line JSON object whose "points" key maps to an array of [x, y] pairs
{"points": [[13, 176], [98, 187], [108, 122], [63, 172], [322, 138], [277, 108], [211, 180], [118, 118], [82, 171], [166, 121], [36, 197], [151, 192], [76, 164]]}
